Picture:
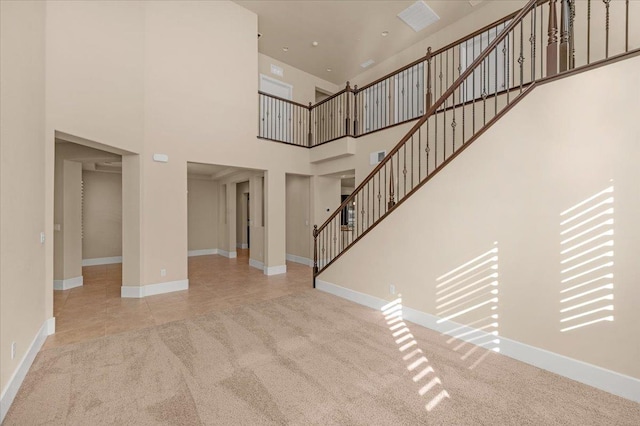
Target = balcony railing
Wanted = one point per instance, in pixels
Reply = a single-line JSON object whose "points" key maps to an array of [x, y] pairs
{"points": [[601, 26], [516, 54]]}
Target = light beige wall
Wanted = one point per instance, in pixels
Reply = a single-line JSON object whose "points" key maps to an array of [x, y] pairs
{"points": [[67, 218], [101, 214], [275, 218], [256, 201], [510, 188], [71, 220], [326, 197], [304, 84], [203, 214], [299, 228], [23, 285], [177, 78]]}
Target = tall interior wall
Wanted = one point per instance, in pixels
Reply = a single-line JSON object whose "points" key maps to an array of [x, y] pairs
{"points": [[23, 290], [512, 191]]}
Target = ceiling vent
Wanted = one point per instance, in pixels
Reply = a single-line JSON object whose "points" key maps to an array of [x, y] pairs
{"points": [[367, 63], [418, 16]]}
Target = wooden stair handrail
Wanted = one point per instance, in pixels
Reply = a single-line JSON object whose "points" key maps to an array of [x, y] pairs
{"points": [[514, 22]]}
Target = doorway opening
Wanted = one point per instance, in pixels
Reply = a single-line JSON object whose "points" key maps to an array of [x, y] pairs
{"points": [[88, 230]]}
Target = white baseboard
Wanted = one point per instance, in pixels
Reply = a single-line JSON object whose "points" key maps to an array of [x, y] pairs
{"points": [[299, 259], [256, 264], [203, 252], [229, 254], [102, 261], [133, 291], [592, 375], [242, 245], [11, 389], [275, 270], [68, 283]]}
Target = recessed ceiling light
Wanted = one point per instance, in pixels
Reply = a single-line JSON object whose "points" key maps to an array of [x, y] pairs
{"points": [[315, 43], [367, 64], [385, 33], [328, 69], [285, 49]]}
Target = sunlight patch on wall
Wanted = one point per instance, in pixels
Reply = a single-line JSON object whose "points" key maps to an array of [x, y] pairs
{"points": [[586, 262], [430, 384], [468, 295]]}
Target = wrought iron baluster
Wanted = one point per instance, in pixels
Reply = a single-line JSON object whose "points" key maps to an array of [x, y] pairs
{"points": [[419, 153], [506, 59], [626, 25], [572, 40], [412, 148], [588, 31], [427, 149], [564, 35], [495, 76], [521, 57], [428, 100], [473, 95], [404, 170], [532, 40], [392, 191], [606, 48], [541, 40]]}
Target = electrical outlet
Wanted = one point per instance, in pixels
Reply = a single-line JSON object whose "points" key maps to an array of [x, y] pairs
{"points": [[392, 289], [163, 272], [42, 238], [13, 350]]}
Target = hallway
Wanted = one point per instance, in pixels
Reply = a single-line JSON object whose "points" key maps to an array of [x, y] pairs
{"points": [[215, 283]]}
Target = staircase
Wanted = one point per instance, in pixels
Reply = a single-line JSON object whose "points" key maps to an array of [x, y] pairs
{"points": [[496, 68]]}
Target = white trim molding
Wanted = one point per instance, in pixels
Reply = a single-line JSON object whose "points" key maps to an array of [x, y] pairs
{"points": [[68, 283], [592, 375], [203, 252], [102, 261], [256, 264], [242, 245], [132, 291], [229, 254], [299, 259], [275, 270], [11, 389]]}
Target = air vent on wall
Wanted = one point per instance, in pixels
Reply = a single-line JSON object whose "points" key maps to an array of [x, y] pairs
{"points": [[418, 16]]}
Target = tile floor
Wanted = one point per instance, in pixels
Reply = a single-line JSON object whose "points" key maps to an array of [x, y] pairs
{"points": [[215, 283]]}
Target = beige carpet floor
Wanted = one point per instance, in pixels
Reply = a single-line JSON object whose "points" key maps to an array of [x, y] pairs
{"points": [[304, 359]]}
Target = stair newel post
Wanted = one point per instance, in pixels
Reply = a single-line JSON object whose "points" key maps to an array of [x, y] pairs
{"points": [[565, 13], [355, 110], [552, 44], [310, 135], [315, 254], [392, 201], [429, 94], [347, 120], [347, 124]]}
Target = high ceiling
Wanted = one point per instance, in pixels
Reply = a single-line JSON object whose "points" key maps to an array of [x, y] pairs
{"points": [[348, 32]]}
